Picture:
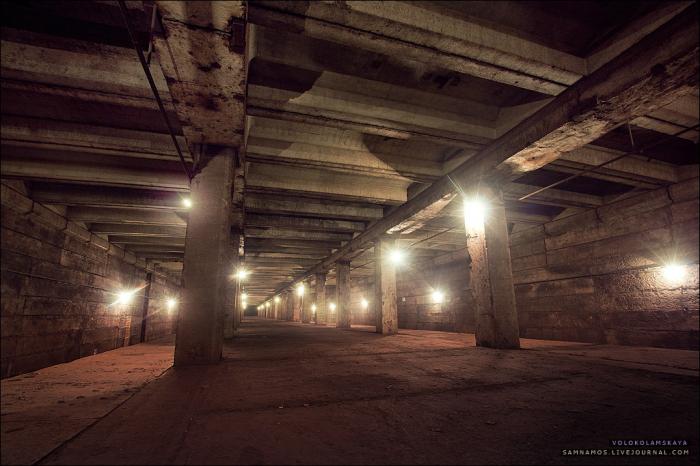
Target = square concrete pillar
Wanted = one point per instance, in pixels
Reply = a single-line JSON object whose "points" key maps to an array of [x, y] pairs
{"points": [[386, 313], [491, 274], [289, 300], [305, 301], [342, 293], [207, 263], [321, 304], [231, 321]]}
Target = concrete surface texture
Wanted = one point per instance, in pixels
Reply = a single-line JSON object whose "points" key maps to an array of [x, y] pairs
{"points": [[291, 393]]}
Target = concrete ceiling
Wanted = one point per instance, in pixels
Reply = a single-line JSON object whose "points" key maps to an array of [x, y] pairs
{"points": [[351, 112]]}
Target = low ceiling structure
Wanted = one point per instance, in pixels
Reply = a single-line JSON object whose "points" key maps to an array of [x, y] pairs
{"points": [[355, 112]]}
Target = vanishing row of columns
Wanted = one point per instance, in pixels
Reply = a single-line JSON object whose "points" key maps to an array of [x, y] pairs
{"points": [[210, 310]]}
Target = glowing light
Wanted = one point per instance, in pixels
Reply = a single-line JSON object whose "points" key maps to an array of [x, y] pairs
{"points": [[300, 289], [124, 297], [674, 273], [267, 304], [438, 296], [171, 303], [244, 304], [397, 256], [277, 299], [260, 308], [364, 303], [474, 213], [331, 306], [241, 274], [313, 308], [244, 296], [186, 202]]}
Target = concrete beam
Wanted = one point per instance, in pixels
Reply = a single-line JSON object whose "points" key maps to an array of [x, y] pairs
{"points": [[440, 39], [269, 204], [67, 167], [413, 110], [252, 243], [296, 234], [384, 129], [80, 65], [103, 196], [147, 240], [125, 216], [325, 183], [127, 229], [38, 133], [146, 249], [303, 223], [552, 196], [340, 160]]}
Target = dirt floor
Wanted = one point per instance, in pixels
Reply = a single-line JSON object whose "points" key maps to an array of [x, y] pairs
{"points": [[290, 393]]}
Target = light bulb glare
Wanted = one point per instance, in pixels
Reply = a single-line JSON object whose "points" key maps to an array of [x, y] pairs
{"points": [[438, 296], [171, 303], [397, 256], [674, 273], [125, 297], [331, 306], [474, 213], [187, 202], [364, 303]]}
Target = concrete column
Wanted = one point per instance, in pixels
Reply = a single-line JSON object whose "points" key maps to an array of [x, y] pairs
{"points": [[386, 314], [231, 322], [321, 304], [492, 276], [342, 294], [207, 263], [289, 306], [305, 301]]}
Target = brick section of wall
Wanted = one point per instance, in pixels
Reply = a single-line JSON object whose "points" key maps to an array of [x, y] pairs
{"points": [[161, 321], [593, 277], [58, 283], [416, 308], [596, 276], [361, 288]]}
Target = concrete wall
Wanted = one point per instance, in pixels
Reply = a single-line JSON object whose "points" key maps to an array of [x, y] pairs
{"points": [[592, 277], [58, 281]]}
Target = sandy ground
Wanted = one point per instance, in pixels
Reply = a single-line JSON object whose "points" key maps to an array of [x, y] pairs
{"points": [[289, 393]]}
